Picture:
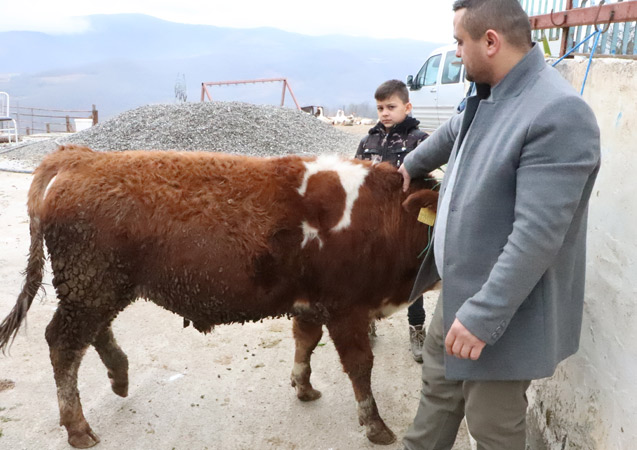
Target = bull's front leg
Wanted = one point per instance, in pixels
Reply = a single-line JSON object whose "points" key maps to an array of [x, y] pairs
{"points": [[306, 336], [349, 333]]}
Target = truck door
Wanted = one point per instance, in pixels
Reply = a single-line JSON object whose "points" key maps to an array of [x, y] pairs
{"points": [[424, 93], [451, 88]]}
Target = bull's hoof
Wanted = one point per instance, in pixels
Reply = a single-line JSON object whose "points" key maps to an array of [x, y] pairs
{"points": [[119, 384], [381, 435], [120, 389], [83, 440], [308, 395], [305, 393]]}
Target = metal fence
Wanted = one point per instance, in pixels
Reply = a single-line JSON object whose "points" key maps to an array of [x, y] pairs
{"points": [[205, 92], [32, 120], [578, 19]]}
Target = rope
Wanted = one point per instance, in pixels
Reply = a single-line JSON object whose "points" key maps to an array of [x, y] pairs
{"points": [[597, 33], [16, 170], [10, 149], [428, 242], [18, 146], [590, 59], [437, 185]]}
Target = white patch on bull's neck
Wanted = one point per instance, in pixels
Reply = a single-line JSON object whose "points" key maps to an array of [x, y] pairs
{"points": [[352, 177], [46, 191], [310, 233]]}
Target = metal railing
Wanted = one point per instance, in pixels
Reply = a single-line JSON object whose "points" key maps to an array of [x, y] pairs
{"points": [[33, 120], [205, 92], [571, 21]]}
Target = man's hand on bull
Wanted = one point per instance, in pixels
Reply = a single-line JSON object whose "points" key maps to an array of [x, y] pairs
{"points": [[461, 343], [406, 177]]}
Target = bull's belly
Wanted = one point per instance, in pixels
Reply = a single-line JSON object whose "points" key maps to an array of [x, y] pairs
{"points": [[95, 271], [207, 306]]}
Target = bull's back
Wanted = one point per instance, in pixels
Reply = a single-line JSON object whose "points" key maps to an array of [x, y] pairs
{"points": [[150, 194]]}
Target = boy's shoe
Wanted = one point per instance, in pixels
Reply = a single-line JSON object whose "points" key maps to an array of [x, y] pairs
{"points": [[371, 331], [416, 340]]}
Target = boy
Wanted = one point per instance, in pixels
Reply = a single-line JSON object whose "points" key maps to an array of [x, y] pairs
{"points": [[395, 135]]}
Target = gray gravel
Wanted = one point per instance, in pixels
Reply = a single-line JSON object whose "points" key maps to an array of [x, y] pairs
{"points": [[230, 127]]}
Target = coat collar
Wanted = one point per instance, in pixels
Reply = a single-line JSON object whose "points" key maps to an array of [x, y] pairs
{"points": [[403, 127], [514, 82]]}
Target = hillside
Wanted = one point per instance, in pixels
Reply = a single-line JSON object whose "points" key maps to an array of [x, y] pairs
{"points": [[128, 60]]}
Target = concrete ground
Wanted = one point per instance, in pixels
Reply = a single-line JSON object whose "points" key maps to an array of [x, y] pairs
{"points": [[225, 390]]}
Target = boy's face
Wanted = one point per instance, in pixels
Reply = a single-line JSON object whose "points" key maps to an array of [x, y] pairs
{"points": [[392, 111]]}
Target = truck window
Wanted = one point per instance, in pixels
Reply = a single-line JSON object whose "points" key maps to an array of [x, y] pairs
{"points": [[452, 68], [428, 74]]}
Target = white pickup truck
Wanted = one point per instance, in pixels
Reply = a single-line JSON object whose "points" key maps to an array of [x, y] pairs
{"points": [[438, 88]]}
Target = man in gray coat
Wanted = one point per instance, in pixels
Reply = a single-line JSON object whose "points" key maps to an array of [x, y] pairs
{"points": [[510, 236]]}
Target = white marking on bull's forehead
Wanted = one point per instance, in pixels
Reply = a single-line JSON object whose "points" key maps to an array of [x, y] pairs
{"points": [[352, 176], [310, 233], [46, 191]]}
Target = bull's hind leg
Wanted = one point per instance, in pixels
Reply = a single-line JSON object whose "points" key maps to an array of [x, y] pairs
{"points": [[349, 333], [69, 334], [115, 361], [92, 287], [73, 328], [306, 337]]}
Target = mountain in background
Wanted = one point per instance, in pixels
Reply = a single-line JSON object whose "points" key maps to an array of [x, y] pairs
{"points": [[129, 60]]}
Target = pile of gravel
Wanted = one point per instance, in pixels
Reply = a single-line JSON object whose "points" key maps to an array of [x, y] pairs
{"points": [[230, 127]]}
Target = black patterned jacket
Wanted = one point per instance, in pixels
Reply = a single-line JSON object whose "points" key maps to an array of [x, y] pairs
{"points": [[391, 147]]}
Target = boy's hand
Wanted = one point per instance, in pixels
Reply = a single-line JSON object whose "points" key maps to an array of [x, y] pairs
{"points": [[406, 177]]}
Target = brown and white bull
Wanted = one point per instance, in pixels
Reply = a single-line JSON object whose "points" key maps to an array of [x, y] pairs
{"points": [[218, 239]]}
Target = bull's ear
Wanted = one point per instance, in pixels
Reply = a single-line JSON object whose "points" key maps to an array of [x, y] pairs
{"points": [[424, 198]]}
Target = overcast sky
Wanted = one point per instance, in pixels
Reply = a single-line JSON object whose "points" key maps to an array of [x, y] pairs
{"points": [[422, 20]]}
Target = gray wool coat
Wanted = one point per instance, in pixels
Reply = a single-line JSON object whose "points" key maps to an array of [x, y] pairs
{"points": [[515, 247]]}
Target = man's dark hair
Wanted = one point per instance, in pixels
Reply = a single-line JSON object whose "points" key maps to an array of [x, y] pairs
{"points": [[504, 16], [392, 87]]}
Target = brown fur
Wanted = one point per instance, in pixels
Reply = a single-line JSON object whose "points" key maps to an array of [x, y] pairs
{"points": [[217, 239]]}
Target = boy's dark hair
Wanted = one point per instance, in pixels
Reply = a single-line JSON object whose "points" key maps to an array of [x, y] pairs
{"points": [[505, 16], [392, 87]]}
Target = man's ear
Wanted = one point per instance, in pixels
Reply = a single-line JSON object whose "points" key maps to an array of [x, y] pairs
{"points": [[493, 41], [424, 198]]}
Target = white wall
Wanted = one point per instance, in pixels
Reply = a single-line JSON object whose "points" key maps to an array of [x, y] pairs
{"points": [[591, 401]]}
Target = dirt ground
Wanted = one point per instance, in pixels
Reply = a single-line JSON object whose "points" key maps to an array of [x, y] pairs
{"points": [[226, 390], [359, 130]]}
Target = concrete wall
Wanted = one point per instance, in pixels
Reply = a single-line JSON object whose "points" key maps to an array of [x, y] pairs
{"points": [[591, 401]]}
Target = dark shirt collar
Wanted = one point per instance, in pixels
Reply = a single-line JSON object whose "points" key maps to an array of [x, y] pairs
{"points": [[403, 127]]}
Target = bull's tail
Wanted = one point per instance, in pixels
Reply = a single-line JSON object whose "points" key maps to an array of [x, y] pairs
{"points": [[35, 266]]}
